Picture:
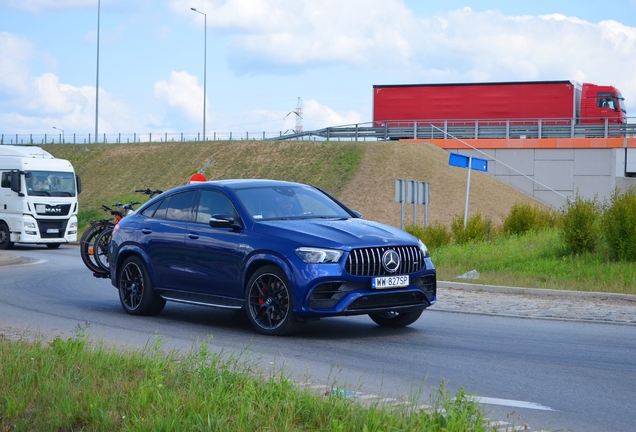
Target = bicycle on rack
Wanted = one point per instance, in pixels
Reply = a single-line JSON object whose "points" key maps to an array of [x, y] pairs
{"points": [[89, 249], [94, 246]]}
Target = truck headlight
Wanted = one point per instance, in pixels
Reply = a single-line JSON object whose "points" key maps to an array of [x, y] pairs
{"points": [[30, 228], [311, 255], [72, 228]]}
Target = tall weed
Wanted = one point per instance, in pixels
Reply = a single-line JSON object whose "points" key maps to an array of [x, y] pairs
{"points": [[524, 217], [434, 236], [580, 225], [619, 225], [477, 229]]}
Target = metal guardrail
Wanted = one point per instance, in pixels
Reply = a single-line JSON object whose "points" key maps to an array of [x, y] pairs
{"points": [[468, 129], [369, 131]]}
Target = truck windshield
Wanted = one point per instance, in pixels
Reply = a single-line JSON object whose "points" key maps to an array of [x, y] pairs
{"points": [[50, 183]]}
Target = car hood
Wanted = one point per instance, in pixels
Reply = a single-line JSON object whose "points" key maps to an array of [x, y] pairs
{"points": [[347, 233]]}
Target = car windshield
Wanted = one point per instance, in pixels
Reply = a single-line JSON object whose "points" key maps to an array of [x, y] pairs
{"points": [[289, 202], [50, 183]]}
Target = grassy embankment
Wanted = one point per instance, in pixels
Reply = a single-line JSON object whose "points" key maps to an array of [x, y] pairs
{"points": [[68, 385]]}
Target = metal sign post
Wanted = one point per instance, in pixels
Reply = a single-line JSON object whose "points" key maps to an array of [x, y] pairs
{"points": [[400, 196], [422, 198], [469, 162], [411, 193]]}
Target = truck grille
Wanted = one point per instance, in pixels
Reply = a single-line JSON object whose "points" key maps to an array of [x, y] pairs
{"points": [[368, 261], [52, 229]]}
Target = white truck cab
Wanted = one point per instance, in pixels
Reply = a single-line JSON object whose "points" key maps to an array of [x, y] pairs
{"points": [[38, 198]]}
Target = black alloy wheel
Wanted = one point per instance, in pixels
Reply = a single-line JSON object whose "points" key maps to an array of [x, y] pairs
{"points": [[269, 303], [393, 319], [136, 291]]}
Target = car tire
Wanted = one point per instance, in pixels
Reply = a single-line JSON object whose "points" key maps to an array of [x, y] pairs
{"points": [[269, 303], [136, 290], [394, 319], [5, 237]]}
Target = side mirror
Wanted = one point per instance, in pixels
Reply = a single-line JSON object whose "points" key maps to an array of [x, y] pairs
{"points": [[78, 183], [224, 220], [16, 185]]}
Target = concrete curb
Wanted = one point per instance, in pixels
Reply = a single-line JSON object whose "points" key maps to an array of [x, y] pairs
{"points": [[534, 291]]}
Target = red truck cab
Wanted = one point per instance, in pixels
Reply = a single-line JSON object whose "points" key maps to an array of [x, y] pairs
{"points": [[602, 102]]}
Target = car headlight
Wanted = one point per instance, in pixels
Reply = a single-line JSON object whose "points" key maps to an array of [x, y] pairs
{"points": [[311, 255], [424, 249]]}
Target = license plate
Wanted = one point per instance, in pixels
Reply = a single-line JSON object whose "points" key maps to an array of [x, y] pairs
{"points": [[388, 282], [52, 231]]}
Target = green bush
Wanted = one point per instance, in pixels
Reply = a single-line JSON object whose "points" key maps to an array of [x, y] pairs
{"points": [[619, 225], [433, 236], [580, 225], [477, 229], [523, 218]]}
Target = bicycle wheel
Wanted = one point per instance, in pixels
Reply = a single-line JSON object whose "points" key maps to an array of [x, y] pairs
{"points": [[87, 245], [101, 249]]}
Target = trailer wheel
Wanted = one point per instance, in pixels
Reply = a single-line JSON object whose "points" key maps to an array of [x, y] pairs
{"points": [[5, 237]]}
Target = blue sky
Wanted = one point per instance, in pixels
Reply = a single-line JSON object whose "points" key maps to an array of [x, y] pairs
{"points": [[262, 55]]}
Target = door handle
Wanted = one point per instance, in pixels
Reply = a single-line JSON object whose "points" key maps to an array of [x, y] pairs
{"points": [[193, 235], [146, 231]]}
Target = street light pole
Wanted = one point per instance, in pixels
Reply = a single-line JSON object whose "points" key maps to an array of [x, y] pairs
{"points": [[205, 63], [97, 79], [61, 130]]}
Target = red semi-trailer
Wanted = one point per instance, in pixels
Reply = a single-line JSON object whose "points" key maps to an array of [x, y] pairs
{"points": [[559, 102]]}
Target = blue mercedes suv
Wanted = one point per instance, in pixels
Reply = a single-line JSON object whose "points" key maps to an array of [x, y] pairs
{"points": [[286, 253]]}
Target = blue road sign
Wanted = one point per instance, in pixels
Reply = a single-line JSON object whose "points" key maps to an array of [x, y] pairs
{"points": [[462, 161]]}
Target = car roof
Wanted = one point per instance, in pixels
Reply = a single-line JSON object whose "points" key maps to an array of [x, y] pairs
{"points": [[243, 183]]}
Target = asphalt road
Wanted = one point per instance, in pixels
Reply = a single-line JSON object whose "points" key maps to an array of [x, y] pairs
{"points": [[550, 375]]}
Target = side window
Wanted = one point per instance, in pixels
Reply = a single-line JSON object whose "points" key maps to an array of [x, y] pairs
{"points": [[212, 203], [6, 180], [605, 100], [161, 211], [150, 210], [180, 207]]}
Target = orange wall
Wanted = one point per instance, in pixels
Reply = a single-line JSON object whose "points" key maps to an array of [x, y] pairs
{"points": [[532, 143]]}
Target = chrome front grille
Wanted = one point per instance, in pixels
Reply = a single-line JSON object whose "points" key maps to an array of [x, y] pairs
{"points": [[368, 261]]}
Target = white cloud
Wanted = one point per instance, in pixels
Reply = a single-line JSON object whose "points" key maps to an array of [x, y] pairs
{"points": [[182, 92], [316, 116], [38, 103], [305, 32]]}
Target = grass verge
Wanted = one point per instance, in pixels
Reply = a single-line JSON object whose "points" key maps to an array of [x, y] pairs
{"points": [[535, 260], [72, 385]]}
